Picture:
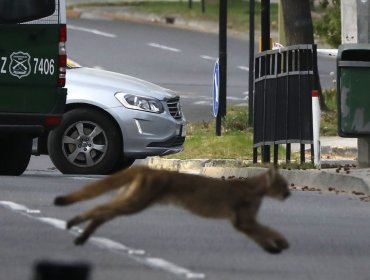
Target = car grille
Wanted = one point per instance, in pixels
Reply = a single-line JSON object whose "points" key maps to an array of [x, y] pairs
{"points": [[173, 142], [175, 108]]}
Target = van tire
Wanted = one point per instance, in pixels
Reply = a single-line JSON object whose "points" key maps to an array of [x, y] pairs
{"points": [[16, 154], [74, 152]]}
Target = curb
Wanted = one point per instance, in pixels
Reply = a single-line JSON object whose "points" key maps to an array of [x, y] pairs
{"points": [[315, 180], [352, 180], [128, 14]]}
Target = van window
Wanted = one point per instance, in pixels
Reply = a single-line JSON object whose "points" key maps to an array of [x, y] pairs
{"points": [[18, 11]]}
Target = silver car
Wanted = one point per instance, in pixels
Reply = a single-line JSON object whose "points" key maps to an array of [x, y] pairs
{"points": [[112, 119]]}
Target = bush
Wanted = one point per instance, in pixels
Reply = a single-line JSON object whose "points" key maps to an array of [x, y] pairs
{"points": [[328, 26]]}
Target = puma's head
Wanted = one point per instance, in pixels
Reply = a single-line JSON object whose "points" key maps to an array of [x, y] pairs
{"points": [[277, 185]]}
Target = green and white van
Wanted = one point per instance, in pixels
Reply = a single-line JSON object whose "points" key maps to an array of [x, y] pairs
{"points": [[32, 76]]}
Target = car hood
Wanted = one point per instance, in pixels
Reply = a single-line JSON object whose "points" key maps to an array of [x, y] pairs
{"points": [[106, 82]]}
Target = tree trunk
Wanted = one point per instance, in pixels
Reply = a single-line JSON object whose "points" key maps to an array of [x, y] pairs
{"points": [[297, 22], [299, 30]]}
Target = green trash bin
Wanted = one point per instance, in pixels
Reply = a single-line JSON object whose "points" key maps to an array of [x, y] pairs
{"points": [[353, 90]]}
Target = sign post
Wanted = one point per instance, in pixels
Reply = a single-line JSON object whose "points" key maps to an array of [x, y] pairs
{"points": [[216, 97]]}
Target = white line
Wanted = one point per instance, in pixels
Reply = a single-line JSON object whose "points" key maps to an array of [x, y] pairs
{"points": [[107, 244], [244, 68], [93, 31], [209, 57], [202, 102], [163, 47]]}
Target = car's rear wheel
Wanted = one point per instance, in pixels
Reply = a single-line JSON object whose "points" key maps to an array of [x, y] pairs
{"points": [[86, 142]]}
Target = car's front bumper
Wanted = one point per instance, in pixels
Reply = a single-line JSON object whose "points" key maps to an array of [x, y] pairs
{"points": [[149, 134]]}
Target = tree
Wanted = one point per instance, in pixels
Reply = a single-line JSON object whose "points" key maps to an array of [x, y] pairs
{"points": [[297, 22], [299, 30]]}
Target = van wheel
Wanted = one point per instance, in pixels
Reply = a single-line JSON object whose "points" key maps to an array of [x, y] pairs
{"points": [[15, 155], [86, 142]]}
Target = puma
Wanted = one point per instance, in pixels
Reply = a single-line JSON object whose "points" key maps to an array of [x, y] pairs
{"points": [[140, 187]]}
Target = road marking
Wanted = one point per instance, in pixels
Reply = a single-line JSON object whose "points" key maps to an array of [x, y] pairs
{"points": [[163, 47], [244, 68], [93, 31], [98, 67], [209, 57], [107, 244], [202, 102]]}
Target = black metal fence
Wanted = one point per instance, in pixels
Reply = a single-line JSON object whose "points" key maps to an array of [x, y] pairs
{"points": [[284, 80]]}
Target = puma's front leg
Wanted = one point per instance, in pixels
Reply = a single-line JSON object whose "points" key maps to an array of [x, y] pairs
{"points": [[90, 229], [269, 239]]}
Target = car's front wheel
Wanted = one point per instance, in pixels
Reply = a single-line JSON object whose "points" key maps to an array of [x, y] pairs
{"points": [[86, 142]]}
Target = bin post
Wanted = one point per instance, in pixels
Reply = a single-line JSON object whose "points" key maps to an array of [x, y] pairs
{"points": [[363, 157]]}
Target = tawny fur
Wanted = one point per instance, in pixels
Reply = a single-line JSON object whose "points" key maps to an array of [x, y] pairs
{"points": [[140, 187]]}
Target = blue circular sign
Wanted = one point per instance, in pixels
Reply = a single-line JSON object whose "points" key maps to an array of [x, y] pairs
{"points": [[216, 83]]}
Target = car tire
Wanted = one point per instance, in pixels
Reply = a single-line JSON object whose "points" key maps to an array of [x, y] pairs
{"points": [[123, 163], [86, 142], [16, 155]]}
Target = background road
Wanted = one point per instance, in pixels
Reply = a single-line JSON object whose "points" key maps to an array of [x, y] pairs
{"points": [[181, 60], [328, 232], [328, 235]]}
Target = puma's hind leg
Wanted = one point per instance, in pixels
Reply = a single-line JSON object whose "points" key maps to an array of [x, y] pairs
{"points": [[137, 197]]}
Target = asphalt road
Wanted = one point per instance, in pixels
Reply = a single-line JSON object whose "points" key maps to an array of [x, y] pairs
{"points": [[328, 235], [181, 60], [328, 232]]}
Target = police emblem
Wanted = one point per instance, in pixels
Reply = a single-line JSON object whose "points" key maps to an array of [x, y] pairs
{"points": [[20, 64]]}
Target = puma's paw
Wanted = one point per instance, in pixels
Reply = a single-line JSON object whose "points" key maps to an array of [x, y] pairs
{"points": [[75, 221], [80, 240], [282, 243], [61, 201], [276, 246]]}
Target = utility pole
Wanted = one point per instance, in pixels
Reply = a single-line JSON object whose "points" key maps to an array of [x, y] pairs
{"points": [[265, 45], [222, 58], [251, 64], [223, 55], [265, 25]]}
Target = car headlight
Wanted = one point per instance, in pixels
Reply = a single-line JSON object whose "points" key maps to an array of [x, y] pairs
{"points": [[142, 103]]}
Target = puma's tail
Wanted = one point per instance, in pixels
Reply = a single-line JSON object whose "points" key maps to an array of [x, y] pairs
{"points": [[94, 189]]}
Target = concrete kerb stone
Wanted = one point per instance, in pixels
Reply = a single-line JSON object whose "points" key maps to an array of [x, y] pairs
{"points": [[311, 179], [126, 13], [192, 165], [357, 180]]}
